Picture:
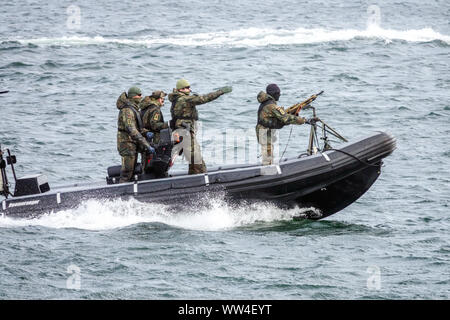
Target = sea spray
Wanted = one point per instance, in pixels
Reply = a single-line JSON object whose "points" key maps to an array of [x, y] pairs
{"points": [[110, 214]]}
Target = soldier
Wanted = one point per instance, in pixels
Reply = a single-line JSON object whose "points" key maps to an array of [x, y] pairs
{"points": [[152, 118], [270, 118], [129, 139], [185, 115]]}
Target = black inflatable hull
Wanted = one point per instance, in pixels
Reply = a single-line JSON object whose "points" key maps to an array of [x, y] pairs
{"points": [[327, 182]]}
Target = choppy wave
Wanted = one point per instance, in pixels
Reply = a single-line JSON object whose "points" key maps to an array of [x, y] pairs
{"points": [[253, 37], [105, 215]]}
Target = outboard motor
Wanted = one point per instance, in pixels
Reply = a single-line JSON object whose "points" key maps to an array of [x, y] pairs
{"points": [[157, 165]]}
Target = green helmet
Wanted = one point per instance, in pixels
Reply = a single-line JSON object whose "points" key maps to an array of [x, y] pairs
{"points": [[134, 91], [182, 83]]}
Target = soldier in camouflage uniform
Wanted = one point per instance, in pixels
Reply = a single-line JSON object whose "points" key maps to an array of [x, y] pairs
{"points": [[152, 117], [185, 115], [270, 118], [129, 139]]}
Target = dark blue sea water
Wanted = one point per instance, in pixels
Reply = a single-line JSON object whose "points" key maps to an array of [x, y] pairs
{"points": [[384, 65]]}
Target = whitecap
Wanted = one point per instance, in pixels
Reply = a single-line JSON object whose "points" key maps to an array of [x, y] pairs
{"points": [[253, 37]]}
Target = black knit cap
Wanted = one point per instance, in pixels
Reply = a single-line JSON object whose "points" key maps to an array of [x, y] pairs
{"points": [[274, 91]]}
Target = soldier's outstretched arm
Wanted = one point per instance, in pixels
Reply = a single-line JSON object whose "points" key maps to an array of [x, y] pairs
{"points": [[130, 126], [201, 99]]}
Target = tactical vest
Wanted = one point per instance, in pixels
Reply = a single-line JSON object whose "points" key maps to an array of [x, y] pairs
{"points": [[176, 117], [272, 123], [137, 115], [150, 108]]}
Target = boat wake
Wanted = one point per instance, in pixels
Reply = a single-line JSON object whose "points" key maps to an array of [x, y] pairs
{"points": [[112, 214], [252, 37]]}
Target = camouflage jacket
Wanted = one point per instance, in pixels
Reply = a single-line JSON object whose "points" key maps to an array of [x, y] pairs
{"points": [[127, 124], [183, 109], [152, 117], [272, 116]]}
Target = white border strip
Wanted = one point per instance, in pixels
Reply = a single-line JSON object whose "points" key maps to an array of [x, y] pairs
{"points": [[4, 204], [58, 198], [135, 188], [206, 180], [326, 157]]}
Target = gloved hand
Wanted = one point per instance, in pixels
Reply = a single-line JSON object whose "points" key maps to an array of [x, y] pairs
{"points": [[312, 121], [301, 120], [149, 135], [151, 150], [226, 89]]}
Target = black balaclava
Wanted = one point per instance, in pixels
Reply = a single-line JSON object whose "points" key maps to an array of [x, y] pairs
{"points": [[274, 91]]}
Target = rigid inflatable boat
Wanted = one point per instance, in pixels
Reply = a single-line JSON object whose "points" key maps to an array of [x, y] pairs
{"points": [[323, 179]]}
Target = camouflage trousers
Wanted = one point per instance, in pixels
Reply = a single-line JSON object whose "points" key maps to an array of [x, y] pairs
{"points": [[129, 156], [267, 154], [192, 152], [266, 137], [196, 163], [127, 170]]}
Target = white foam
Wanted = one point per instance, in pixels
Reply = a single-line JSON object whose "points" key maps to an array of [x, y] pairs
{"points": [[254, 37], [104, 215]]}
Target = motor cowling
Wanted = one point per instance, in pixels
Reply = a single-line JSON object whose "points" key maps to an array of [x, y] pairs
{"points": [[159, 164]]}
